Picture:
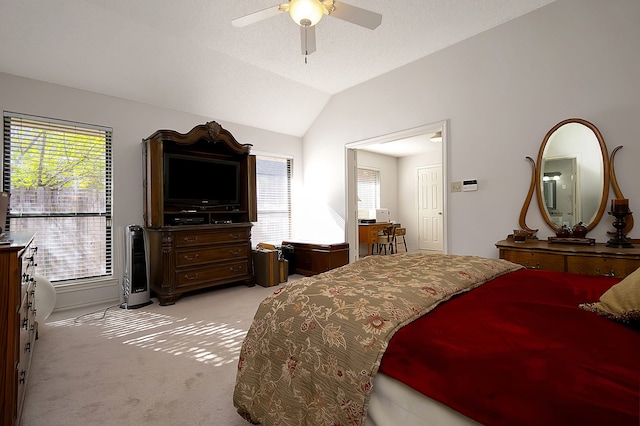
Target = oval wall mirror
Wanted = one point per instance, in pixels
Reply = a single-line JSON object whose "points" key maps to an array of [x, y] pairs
{"points": [[572, 175]]}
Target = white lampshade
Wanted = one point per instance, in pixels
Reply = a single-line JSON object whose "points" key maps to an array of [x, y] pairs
{"points": [[306, 13], [45, 298]]}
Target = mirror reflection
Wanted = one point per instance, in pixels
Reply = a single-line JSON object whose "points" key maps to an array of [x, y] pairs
{"points": [[572, 175]]}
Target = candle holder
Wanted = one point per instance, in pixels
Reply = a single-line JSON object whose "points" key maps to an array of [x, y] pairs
{"points": [[619, 240]]}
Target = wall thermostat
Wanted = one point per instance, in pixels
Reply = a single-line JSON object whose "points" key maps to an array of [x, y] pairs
{"points": [[469, 185]]}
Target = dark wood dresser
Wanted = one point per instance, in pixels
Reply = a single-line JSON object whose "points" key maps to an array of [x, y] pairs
{"points": [[595, 259], [19, 327], [187, 258]]}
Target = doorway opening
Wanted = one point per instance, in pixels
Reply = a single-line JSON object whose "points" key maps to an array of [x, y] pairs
{"points": [[411, 151]]}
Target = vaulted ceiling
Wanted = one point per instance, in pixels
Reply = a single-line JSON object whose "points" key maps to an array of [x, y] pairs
{"points": [[186, 55]]}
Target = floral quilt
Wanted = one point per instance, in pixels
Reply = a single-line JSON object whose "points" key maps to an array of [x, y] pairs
{"points": [[315, 345]]}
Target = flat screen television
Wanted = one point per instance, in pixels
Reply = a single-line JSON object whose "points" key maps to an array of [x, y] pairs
{"points": [[201, 181]]}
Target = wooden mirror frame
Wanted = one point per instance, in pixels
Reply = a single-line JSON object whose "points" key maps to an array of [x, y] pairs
{"points": [[605, 173], [608, 175]]}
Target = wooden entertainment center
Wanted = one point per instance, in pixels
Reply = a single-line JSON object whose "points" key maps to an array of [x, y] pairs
{"points": [[199, 202]]}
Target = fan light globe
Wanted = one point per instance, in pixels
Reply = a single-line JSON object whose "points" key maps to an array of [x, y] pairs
{"points": [[306, 13]]}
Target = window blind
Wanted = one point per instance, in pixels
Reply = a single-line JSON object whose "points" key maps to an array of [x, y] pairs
{"points": [[59, 176], [273, 187], [368, 189]]}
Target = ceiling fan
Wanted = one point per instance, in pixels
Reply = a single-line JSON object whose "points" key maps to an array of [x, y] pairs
{"points": [[307, 13]]}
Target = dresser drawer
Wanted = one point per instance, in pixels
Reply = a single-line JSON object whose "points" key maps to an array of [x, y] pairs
{"points": [[197, 276], [609, 266], [186, 258], [28, 272], [27, 334], [535, 260], [193, 238]]}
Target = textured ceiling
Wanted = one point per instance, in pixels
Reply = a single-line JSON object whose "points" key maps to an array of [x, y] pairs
{"points": [[187, 56]]}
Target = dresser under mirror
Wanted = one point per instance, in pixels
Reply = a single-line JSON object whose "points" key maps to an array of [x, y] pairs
{"points": [[571, 180]]}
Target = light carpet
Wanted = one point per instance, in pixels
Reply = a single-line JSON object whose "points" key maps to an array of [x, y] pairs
{"points": [[157, 365]]}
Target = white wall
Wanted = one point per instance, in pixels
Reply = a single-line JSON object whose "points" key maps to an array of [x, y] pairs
{"points": [[131, 122], [501, 92]]}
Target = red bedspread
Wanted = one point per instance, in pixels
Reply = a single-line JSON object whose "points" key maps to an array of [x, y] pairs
{"points": [[518, 351]]}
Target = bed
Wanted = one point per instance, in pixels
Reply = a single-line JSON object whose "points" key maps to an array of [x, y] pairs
{"points": [[443, 340]]}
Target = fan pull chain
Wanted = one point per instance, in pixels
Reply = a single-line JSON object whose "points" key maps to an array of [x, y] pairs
{"points": [[306, 49]]}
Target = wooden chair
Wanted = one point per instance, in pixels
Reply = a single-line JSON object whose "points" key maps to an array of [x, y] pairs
{"points": [[385, 238], [399, 232]]}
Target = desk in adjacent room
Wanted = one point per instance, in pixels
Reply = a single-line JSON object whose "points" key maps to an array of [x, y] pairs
{"points": [[368, 233]]}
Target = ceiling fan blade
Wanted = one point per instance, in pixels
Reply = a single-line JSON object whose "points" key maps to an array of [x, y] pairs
{"points": [[356, 15], [308, 40], [254, 17]]}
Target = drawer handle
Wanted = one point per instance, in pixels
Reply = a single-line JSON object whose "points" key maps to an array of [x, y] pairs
{"points": [[235, 252], [610, 274], [526, 265], [192, 277], [234, 236], [191, 240], [236, 268], [25, 323], [27, 347], [191, 258], [23, 377]]}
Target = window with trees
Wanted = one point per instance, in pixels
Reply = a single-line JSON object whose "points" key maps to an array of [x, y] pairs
{"points": [[273, 187], [58, 174]]}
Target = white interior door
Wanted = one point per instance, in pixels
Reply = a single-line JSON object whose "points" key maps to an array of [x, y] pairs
{"points": [[430, 208]]}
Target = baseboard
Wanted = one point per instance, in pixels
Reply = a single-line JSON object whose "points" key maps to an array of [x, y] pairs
{"points": [[86, 294]]}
